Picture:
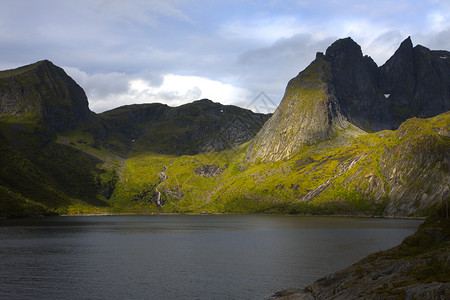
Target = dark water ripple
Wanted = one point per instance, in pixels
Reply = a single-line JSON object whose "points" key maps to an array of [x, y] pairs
{"points": [[181, 257]]}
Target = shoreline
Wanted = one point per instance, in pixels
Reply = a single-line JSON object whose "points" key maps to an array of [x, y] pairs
{"points": [[417, 268], [239, 214]]}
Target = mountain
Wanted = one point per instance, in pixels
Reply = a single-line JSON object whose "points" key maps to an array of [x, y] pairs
{"points": [[56, 153], [197, 127], [308, 113], [342, 88], [414, 82], [348, 138]]}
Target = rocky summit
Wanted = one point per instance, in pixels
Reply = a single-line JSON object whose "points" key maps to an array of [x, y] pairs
{"points": [[342, 88]]}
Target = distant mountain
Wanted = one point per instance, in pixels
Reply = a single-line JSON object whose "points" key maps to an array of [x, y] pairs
{"points": [[56, 153], [197, 127], [45, 95], [342, 89]]}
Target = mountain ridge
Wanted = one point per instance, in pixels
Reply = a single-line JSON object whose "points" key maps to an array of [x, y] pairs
{"points": [[309, 157]]}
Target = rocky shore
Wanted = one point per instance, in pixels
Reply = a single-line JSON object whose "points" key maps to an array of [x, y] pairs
{"points": [[419, 268]]}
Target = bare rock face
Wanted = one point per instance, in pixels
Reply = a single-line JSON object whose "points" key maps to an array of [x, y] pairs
{"points": [[418, 82], [309, 113], [414, 82], [209, 171], [417, 168], [44, 93], [355, 82]]}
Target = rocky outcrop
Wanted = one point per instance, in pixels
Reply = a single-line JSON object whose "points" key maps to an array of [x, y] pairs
{"points": [[355, 82], [208, 171], [414, 82], [417, 81], [416, 269], [43, 93]]}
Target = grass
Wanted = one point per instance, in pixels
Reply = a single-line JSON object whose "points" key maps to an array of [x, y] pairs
{"points": [[349, 167], [347, 175]]}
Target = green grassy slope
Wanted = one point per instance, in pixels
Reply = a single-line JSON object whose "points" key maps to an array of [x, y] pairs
{"points": [[364, 175], [372, 174], [40, 176]]}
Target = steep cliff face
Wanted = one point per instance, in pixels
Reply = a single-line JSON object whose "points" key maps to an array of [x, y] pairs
{"points": [[355, 81], [414, 82], [417, 167], [308, 113], [418, 82], [43, 93]]}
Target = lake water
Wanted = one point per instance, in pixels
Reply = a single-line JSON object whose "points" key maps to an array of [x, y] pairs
{"points": [[182, 256]]}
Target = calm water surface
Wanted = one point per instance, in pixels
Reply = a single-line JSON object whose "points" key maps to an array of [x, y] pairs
{"points": [[181, 257]]}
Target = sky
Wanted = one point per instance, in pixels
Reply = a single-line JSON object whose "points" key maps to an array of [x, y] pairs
{"points": [[231, 51]]}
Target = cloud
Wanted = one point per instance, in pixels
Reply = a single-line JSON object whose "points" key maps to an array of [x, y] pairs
{"points": [[100, 85], [106, 91], [265, 29], [268, 69], [143, 12], [437, 41], [240, 48], [383, 46]]}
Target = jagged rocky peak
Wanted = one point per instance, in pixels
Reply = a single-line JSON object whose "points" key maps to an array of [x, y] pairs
{"points": [[355, 80], [310, 111], [418, 82], [414, 82], [344, 50], [45, 93], [343, 87]]}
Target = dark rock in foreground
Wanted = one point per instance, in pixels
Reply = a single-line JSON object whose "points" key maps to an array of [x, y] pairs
{"points": [[419, 268]]}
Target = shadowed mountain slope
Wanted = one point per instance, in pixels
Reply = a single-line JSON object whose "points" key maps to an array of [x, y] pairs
{"points": [[44, 94], [197, 127]]}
